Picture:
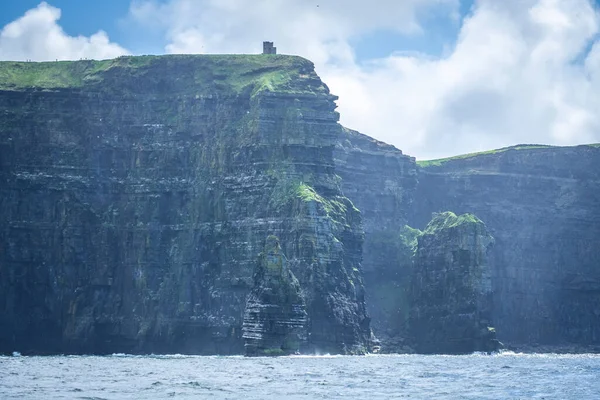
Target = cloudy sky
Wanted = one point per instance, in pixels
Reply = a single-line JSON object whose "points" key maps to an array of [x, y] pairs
{"points": [[433, 77]]}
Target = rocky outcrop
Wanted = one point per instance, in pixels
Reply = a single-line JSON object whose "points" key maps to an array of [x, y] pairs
{"points": [[451, 288], [542, 205], [137, 193], [275, 316]]}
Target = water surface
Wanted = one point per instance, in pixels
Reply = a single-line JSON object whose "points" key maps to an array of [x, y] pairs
{"points": [[501, 376]]}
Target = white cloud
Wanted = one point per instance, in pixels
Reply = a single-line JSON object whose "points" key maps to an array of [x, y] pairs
{"points": [[522, 71], [37, 36], [320, 30], [518, 73]]}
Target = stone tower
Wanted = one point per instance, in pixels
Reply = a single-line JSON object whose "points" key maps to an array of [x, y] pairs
{"points": [[268, 48]]}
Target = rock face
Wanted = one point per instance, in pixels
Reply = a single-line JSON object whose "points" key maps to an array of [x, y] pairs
{"points": [[381, 182], [451, 288], [137, 193], [275, 316], [542, 205]]}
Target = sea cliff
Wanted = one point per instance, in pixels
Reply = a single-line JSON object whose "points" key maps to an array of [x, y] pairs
{"points": [[145, 200], [542, 206], [138, 192]]}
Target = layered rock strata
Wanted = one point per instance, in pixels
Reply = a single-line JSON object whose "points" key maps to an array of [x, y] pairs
{"points": [[381, 182], [451, 288], [539, 202], [542, 205], [137, 193], [275, 318]]}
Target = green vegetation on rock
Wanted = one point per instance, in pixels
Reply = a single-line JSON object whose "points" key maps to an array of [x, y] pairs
{"points": [[275, 313], [448, 219], [439, 162], [239, 73], [409, 237], [307, 193], [50, 75], [288, 189], [179, 166], [450, 287], [273, 352]]}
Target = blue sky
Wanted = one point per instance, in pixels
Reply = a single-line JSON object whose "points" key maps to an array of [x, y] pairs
{"points": [[89, 16], [439, 34], [85, 17], [432, 77], [79, 17]]}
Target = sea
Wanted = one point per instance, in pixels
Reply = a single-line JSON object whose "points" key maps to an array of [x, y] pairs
{"points": [[504, 375]]}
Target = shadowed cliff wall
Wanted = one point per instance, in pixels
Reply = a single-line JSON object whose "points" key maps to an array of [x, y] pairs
{"points": [[137, 193]]}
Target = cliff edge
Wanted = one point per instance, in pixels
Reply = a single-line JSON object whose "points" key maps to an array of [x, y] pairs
{"points": [[137, 193]]}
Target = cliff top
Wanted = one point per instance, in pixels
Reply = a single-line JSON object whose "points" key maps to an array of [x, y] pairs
{"points": [[448, 220], [357, 141], [205, 73], [537, 147]]}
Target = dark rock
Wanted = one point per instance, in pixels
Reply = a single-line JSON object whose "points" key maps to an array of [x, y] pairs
{"points": [[451, 288], [542, 205], [381, 182], [136, 194], [275, 318]]}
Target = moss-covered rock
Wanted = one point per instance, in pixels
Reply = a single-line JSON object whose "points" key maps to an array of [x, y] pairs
{"points": [[275, 317], [542, 205], [137, 193], [451, 291], [237, 73]]}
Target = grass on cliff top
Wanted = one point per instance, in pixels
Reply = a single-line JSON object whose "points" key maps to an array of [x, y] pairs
{"points": [[48, 75], [447, 220], [440, 161], [239, 71]]}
